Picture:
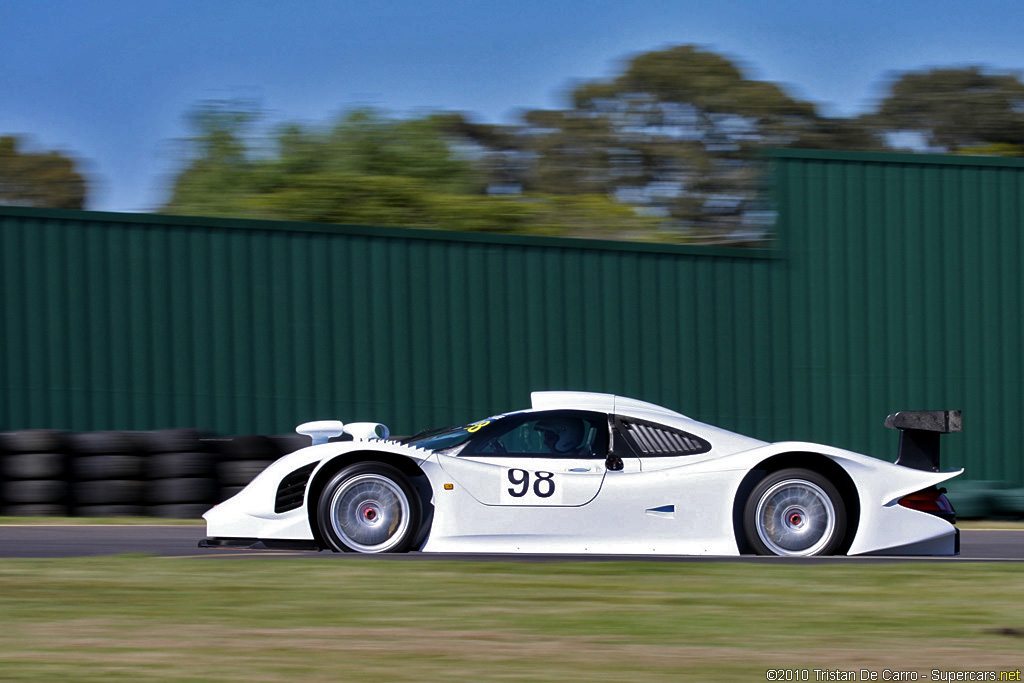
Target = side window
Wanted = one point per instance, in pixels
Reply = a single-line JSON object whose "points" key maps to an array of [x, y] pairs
{"points": [[522, 439], [559, 434], [653, 440]]}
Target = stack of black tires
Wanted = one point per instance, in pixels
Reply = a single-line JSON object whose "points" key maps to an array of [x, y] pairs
{"points": [[107, 474], [33, 474], [181, 473], [171, 473], [241, 459]]}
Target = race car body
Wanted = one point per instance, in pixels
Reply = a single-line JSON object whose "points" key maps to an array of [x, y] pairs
{"points": [[592, 473]]}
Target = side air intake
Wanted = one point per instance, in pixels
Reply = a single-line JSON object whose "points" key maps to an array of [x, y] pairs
{"points": [[293, 488]]}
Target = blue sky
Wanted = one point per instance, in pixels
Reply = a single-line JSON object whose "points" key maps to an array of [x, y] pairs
{"points": [[111, 80]]}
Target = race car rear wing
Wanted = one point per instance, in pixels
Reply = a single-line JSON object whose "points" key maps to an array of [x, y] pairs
{"points": [[919, 435]]}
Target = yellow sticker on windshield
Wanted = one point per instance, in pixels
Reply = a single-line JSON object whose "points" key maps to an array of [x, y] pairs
{"points": [[476, 427]]}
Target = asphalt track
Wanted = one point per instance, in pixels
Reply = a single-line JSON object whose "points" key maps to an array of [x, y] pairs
{"points": [[43, 541]]}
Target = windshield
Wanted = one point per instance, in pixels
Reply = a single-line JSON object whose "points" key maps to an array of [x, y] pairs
{"points": [[448, 437]]}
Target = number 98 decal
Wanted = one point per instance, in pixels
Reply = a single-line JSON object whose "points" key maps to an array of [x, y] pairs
{"points": [[543, 483]]}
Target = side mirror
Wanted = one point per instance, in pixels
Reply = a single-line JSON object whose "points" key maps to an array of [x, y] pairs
{"points": [[613, 463]]}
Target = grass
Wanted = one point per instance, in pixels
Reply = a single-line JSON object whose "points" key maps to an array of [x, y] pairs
{"points": [[990, 524], [250, 618]]}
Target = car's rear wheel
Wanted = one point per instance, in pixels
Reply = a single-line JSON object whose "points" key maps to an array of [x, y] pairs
{"points": [[794, 512], [369, 508]]}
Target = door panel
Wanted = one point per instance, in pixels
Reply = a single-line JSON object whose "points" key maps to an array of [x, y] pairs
{"points": [[497, 480], [542, 459]]}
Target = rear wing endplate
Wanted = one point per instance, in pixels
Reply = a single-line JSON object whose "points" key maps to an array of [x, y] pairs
{"points": [[919, 435]]}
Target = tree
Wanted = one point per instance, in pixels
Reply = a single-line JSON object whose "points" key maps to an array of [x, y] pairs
{"points": [[668, 149], [48, 179], [677, 133], [219, 173], [956, 109], [233, 171], [368, 169]]}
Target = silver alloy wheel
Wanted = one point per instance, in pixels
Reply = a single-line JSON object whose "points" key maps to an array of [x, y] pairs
{"points": [[370, 513], [795, 517]]}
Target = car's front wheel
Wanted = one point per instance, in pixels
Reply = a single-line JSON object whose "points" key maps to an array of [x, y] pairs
{"points": [[369, 508], [795, 512]]}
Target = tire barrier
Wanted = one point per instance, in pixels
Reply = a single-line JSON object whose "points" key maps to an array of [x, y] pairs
{"points": [[169, 473], [105, 474], [241, 459], [33, 474], [181, 473]]}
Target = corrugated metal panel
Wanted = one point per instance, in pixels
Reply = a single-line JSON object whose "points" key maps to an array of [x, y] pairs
{"points": [[139, 322], [904, 293], [897, 286]]}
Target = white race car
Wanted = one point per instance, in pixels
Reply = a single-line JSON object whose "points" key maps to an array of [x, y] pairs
{"points": [[594, 473]]}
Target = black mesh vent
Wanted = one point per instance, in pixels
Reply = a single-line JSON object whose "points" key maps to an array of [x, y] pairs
{"points": [[293, 488], [660, 441]]}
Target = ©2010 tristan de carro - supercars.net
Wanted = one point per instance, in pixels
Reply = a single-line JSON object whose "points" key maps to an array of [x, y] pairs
{"points": [[583, 472]]}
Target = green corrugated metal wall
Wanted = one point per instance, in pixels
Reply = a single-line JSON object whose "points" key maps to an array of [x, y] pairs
{"points": [[132, 322], [901, 289], [895, 286]]}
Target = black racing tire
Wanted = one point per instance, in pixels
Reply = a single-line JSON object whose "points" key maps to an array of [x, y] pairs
{"points": [[169, 441], [108, 492], [107, 443], [31, 441], [178, 465], [369, 507], [240, 472], [249, 447], [178, 511], [32, 466], [93, 467], [795, 512], [229, 491], [34, 491], [289, 443], [185, 490]]}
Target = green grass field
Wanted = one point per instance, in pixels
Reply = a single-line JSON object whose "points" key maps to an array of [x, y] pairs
{"points": [[256, 618]]}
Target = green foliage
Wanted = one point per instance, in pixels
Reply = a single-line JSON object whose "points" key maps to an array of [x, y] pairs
{"points": [[366, 144], [365, 168], [676, 132], [704, 80], [666, 149], [400, 201], [956, 108], [995, 149], [45, 180], [372, 170], [220, 174]]}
